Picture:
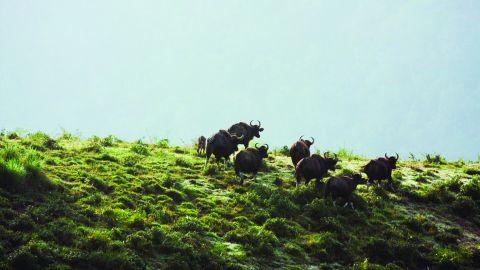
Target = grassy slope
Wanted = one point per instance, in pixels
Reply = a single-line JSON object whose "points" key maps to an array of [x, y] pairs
{"points": [[111, 204]]}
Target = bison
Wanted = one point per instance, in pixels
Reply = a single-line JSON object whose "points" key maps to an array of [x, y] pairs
{"points": [[300, 149], [201, 144], [315, 166], [222, 144], [343, 187], [247, 131], [249, 160], [380, 169]]}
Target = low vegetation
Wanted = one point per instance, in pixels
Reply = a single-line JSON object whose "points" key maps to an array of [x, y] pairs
{"points": [[101, 203]]}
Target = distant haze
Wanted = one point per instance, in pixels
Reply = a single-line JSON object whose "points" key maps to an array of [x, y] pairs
{"points": [[370, 76]]}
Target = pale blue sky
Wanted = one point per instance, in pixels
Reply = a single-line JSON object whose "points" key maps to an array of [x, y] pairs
{"points": [[371, 76]]}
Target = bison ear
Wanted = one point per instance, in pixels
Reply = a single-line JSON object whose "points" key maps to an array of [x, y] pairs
{"points": [[261, 129]]}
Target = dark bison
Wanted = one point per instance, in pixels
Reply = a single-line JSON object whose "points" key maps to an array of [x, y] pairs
{"points": [[343, 187], [300, 149], [222, 144], [380, 169], [249, 160], [247, 131], [314, 167], [201, 144]]}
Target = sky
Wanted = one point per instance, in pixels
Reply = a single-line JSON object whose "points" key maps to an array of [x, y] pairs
{"points": [[369, 76]]}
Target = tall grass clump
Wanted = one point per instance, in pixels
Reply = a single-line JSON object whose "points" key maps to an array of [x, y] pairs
{"points": [[40, 141], [21, 168], [163, 143], [140, 148]]}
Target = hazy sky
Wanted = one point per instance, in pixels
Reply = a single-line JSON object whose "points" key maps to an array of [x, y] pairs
{"points": [[371, 76]]}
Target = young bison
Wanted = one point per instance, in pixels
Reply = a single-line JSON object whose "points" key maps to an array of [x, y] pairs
{"points": [[343, 187], [222, 145], [201, 144], [381, 168], [250, 160], [300, 149]]}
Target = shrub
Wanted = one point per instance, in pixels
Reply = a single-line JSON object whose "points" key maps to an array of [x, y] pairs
{"points": [[140, 148], [323, 246], [257, 240], [294, 250], [109, 141], [281, 205], [140, 241], [446, 258], [284, 151], [93, 145], [176, 195], [317, 209], [463, 206], [182, 163], [472, 188], [420, 223], [190, 224], [282, 227], [163, 143], [21, 169], [436, 158]]}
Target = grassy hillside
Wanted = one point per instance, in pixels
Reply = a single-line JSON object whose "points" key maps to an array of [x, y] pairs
{"points": [[103, 203]]}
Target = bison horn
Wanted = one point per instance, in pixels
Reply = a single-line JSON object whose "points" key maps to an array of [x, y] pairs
{"points": [[326, 154], [266, 145], [336, 157], [256, 145], [397, 155], [259, 124], [300, 138], [386, 156], [251, 122], [313, 140]]}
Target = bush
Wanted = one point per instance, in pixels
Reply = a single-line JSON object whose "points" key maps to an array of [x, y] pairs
{"points": [[436, 159], [163, 143], [317, 209], [282, 227], [463, 206], [257, 240], [140, 148], [323, 246], [472, 188], [109, 141], [284, 151], [281, 205], [21, 169], [190, 224], [93, 145]]}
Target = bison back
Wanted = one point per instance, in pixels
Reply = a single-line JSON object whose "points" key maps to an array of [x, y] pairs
{"points": [[245, 161], [298, 151]]}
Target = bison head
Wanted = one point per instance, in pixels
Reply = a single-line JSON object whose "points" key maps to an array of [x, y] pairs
{"points": [[329, 161], [392, 161], [307, 142], [256, 129], [263, 150]]}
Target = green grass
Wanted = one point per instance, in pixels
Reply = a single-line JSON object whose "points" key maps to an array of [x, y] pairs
{"points": [[102, 203]]}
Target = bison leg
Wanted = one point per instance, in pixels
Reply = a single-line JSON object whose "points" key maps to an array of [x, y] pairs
{"points": [[390, 184]]}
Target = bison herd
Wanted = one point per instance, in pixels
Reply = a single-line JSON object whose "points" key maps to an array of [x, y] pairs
{"points": [[224, 143]]}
